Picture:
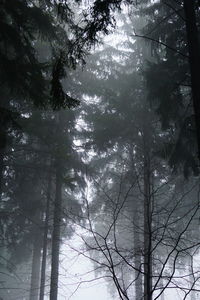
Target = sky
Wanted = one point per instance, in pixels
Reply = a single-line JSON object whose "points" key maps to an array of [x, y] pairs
{"points": [[76, 268]]}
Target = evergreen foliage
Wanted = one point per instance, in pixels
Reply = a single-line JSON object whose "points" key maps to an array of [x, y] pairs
{"points": [[109, 162]]}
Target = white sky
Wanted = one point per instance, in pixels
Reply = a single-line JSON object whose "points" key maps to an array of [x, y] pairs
{"points": [[76, 268]]}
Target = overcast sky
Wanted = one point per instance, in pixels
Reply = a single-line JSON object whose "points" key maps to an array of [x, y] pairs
{"points": [[75, 269]]}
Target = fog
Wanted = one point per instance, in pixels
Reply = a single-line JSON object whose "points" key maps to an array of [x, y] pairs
{"points": [[99, 150]]}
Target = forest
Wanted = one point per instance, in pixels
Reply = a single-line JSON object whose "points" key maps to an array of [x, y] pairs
{"points": [[100, 149]]}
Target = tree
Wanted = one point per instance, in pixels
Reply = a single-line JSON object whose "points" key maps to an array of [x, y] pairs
{"points": [[175, 105], [28, 30], [133, 148], [31, 141], [101, 17], [194, 60]]}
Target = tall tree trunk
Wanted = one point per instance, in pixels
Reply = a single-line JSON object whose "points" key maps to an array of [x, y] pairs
{"points": [[56, 233], [2, 154], [35, 273], [45, 237], [5, 117], [57, 210], [138, 260], [137, 239], [194, 61], [147, 229]]}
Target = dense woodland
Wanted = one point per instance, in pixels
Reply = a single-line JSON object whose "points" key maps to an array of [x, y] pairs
{"points": [[100, 138]]}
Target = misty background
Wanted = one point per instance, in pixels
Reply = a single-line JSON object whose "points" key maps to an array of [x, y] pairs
{"points": [[99, 149]]}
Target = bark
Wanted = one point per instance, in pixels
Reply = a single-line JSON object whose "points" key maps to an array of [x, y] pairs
{"points": [[45, 240], [56, 234], [147, 208], [36, 260], [57, 211], [194, 61], [138, 260], [2, 154], [4, 122], [137, 241], [147, 230]]}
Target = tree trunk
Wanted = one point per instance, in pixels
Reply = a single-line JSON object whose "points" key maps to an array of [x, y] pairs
{"points": [[147, 229], [57, 210], [162, 296], [35, 273], [138, 260], [56, 234], [194, 61], [137, 239], [192, 280], [2, 154], [45, 237]]}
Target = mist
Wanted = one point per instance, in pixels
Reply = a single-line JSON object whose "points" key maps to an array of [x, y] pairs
{"points": [[99, 150]]}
